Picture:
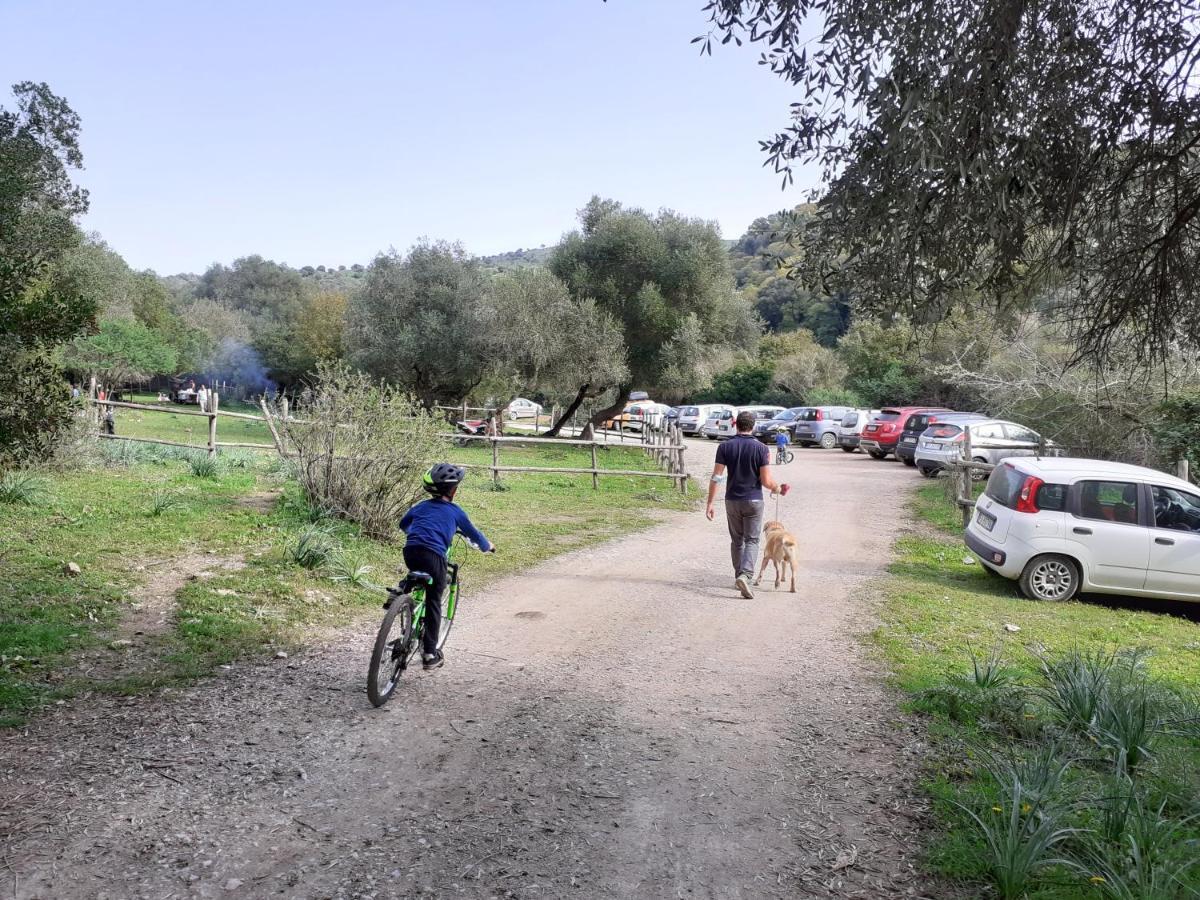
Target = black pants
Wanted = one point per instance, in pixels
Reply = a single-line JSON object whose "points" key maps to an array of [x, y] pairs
{"points": [[422, 559]]}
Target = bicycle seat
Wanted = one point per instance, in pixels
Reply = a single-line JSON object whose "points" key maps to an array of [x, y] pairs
{"points": [[422, 577]]}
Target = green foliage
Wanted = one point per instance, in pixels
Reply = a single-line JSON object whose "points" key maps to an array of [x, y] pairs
{"points": [[663, 278], [21, 488], [350, 568], [40, 306], [161, 501], [1176, 429], [203, 465], [421, 322], [740, 385], [122, 350], [313, 547]]}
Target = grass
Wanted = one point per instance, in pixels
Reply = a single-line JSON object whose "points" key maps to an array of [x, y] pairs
{"points": [[116, 523], [173, 424], [1092, 685]]}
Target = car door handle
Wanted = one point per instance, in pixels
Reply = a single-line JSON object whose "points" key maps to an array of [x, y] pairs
{"points": [[1166, 542], [1082, 530]]}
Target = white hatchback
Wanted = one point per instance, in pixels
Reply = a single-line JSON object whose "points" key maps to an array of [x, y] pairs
{"points": [[1060, 526]]}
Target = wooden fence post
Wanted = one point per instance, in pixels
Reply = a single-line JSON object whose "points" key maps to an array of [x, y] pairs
{"points": [[1181, 469], [495, 454], [213, 401], [283, 407], [595, 469], [964, 480]]}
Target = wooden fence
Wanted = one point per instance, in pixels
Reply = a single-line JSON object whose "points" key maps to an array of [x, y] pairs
{"points": [[664, 444]]}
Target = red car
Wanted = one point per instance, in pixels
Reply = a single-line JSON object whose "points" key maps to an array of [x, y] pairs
{"points": [[882, 433]]}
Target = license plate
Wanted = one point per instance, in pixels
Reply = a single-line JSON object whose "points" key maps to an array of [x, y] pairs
{"points": [[986, 520], [930, 445], [909, 441]]}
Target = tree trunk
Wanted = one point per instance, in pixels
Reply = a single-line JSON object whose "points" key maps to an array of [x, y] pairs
{"points": [[556, 427], [617, 406]]}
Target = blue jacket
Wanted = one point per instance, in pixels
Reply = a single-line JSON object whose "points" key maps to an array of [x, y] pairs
{"points": [[432, 524]]}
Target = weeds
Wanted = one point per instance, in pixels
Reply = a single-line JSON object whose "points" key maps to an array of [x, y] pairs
{"points": [[204, 466], [162, 500], [21, 489], [313, 547], [349, 568], [1150, 861]]}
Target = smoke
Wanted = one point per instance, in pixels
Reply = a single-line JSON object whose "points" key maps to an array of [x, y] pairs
{"points": [[240, 365]]}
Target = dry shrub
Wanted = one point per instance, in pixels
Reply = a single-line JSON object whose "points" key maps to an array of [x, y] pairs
{"points": [[360, 448]]}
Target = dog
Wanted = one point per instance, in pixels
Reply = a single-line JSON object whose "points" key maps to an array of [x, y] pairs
{"points": [[781, 549]]}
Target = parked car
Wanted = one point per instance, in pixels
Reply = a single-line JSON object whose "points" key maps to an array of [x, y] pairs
{"points": [[819, 425], [637, 415], [992, 440], [765, 429], [724, 426], [1060, 526], [906, 447], [882, 433], [715, 419], [692, 418], [851, 427], [520, 408]]}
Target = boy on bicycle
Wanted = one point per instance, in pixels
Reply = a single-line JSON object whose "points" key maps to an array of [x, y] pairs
{"points": [[781, 444], [430, 527]]}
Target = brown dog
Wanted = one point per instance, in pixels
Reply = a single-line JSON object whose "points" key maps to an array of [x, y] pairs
{"points": [[781, 548]]}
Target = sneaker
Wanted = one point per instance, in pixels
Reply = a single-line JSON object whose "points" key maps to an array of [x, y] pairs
{"points": [[432, 660], [743, 584]]}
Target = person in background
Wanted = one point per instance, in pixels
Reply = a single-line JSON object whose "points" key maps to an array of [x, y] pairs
{"points": [[781, 445], [75, 392], [202, 398], [109, 423], [745, 463]]}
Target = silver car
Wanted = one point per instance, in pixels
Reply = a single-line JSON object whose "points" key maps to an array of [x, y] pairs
{"points": [[851, 427], [819, 425], [991, 441], [691, 418]]}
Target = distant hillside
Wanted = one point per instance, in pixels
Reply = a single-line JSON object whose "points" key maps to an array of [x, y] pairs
{"points": [[518, 259]]}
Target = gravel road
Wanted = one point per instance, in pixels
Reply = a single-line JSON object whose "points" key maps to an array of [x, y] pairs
{"points": [[618, 723]]}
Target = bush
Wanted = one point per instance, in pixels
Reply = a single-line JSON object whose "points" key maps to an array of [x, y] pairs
{"points": [[314, 546], [20, 488], [204, 466], [361, 448]]}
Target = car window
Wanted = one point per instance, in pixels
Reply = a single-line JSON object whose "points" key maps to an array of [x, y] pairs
{"points": [[807, 415], [917, 422], [1021, 433], [1110, 501], [786, 416], [987, 431], [887, 417], [1004, 485], [1052, 497], [942, 431], [850, 420], [1176, 509]]}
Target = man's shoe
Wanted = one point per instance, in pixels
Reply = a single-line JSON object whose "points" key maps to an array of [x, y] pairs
{"points": [[432, 660], [743, 585]]}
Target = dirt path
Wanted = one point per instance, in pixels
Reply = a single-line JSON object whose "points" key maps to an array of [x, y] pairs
{"points": [[615, 724]]}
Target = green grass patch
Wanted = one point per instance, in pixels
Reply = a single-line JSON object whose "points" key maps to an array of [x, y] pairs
{"points": [[940, 606], [138, 510]]}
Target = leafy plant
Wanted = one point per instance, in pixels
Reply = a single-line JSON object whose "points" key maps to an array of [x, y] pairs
{"points": [[237, 460], [1127, 724], [1149, 861], [349, 568], [313, 547], [1025, 826], [21, 488], [1073, 686], [162, 500], [204, 466]]}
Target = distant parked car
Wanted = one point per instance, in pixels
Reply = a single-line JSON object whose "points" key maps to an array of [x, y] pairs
{"points": [[819, 425], [992, 440], [882, 433], [851, 427], [520, 408], [906, 447], [692, 418], [1060, 526], [766, 429], [725, 426], [718, 416]]}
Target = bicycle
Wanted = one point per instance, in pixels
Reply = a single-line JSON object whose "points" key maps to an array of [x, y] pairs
{"points": [[406, 605], [783, 456]]}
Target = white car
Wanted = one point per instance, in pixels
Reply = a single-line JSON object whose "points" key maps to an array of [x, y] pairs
{"points": [[725, 425], [718, 415], [691, 419], [1061, 526], [520, 408]]}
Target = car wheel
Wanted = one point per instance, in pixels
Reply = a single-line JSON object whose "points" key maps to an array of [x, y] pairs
{"points": [[1050, 578], [979, 474], [828, 440], [876, 454], [927, 472], [908, 462], [512, 416], [848, 449]]}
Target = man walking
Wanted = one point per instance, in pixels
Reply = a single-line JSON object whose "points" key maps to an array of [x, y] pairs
{"points": [[745, 464]]}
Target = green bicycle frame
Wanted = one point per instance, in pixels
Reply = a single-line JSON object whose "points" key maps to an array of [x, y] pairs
{"points": [[451, 601]]}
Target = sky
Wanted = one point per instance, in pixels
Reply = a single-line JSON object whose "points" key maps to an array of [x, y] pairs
{"points": [[316, 133]]}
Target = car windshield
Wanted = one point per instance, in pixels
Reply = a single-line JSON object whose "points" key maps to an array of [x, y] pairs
{"points": [[786, 416], [689, 410], [943, 431], [888, 415], [1004, 485], [917, 422]]}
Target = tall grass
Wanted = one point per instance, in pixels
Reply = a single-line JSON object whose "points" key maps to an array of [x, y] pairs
{"points": [[312, 547], [21, 489]]}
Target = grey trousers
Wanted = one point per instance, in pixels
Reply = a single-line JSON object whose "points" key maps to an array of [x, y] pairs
{"points": [[745, 518]]}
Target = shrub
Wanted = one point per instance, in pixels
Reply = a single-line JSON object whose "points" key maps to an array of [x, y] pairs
{"points": [[361, 448], [162, 500], [349, 568], [21, 488]]}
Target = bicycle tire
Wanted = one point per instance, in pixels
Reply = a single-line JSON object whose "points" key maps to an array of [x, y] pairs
{"points": [[383, 653]]}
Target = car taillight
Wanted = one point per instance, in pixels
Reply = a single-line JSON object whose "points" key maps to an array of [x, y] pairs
{"points": [[820, 415], [1027, 499]]}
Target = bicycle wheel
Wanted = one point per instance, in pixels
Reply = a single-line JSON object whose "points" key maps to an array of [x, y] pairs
{"points": [[788, 456], [394, 646], [448, 609]]}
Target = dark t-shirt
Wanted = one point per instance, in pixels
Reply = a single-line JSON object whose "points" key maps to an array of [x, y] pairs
{"points": [[742, 457]]}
